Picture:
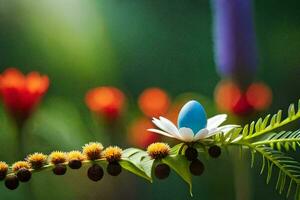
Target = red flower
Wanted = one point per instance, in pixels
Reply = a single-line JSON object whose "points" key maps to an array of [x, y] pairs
{"points": [[21, 94], [106, 101], [231, 98]]}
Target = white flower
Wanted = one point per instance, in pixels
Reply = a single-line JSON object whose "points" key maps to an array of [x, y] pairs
{"points": [[189, 117]]}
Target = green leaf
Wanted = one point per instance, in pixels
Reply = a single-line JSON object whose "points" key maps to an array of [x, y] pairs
{"points": [[177, 148], [134, 168], [138, 156], [245, 130], [291, 111], [147, 165], [181, 166], [130, 151]]}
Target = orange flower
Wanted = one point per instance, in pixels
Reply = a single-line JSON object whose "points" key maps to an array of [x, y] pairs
{"points": [[154, 102], [21, 94], [231, 98], [106, 101]]}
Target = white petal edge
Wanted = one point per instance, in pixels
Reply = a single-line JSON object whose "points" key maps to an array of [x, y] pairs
{"points": [[161, 132], [170, 127], [201, 134], [187, 134], [225, 129], [157, 123], [216, 121]]}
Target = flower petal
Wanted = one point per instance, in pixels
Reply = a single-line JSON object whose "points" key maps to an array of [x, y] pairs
{"points": [[160, 132], [215, 121], [201, 134], [225, 129], [187, 134], [169, 127], [158, 123]]}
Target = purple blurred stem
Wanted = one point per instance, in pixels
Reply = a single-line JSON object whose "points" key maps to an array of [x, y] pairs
{"points": [[234, 39]]}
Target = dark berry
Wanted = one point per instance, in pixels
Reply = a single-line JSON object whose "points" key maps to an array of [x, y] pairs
{"points": [[75, 164], [11, 182], [95, 172], [214, 151], [2, 175], [24, 175], [191, 153], [114, 168], [162, 171], [59, 169], [196, 167]]}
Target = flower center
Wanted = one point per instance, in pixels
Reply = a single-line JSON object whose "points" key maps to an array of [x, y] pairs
{"points": [[192, 115]]}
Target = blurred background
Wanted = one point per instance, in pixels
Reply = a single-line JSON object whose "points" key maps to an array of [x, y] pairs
{"points": [[133, 46]]}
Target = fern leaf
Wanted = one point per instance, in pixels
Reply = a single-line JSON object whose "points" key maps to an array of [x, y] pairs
{"points": [[289, 169], [263, 126], [283, 139]]}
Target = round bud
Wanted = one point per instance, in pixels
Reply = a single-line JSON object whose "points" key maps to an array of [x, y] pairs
{"points": [[114, 168], [24, 175], [11, 182], [191, 153], [214, 151], [197, 167], [95, 172], [75, 164], [59, 169], [162, 171]]}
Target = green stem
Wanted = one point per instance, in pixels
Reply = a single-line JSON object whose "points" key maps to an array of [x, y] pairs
{"points": [[275, 126], [276, 141]]}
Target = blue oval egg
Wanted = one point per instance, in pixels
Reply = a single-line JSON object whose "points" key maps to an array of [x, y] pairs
{"points": [[192, 115]]}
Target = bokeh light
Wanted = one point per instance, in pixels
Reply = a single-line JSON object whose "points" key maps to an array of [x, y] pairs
{"points": [[154, 102], [259, 95], [231, 98], [138, 134], [106, 101], [227, 95]]}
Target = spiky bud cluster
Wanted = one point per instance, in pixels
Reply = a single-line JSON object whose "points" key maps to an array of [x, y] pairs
{"points": [[57, 157], [75, 159], [3, 170], [92, 150], [158, 150], [20, 165], [37, 160], [112, 154], [22, 170]]}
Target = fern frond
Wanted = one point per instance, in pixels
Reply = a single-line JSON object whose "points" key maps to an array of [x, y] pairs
{"points": [[283, 139], [269, 123], [289, 169]]}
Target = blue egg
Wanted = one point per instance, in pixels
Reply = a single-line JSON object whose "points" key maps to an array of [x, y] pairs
{"points": [[192, 115]]}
